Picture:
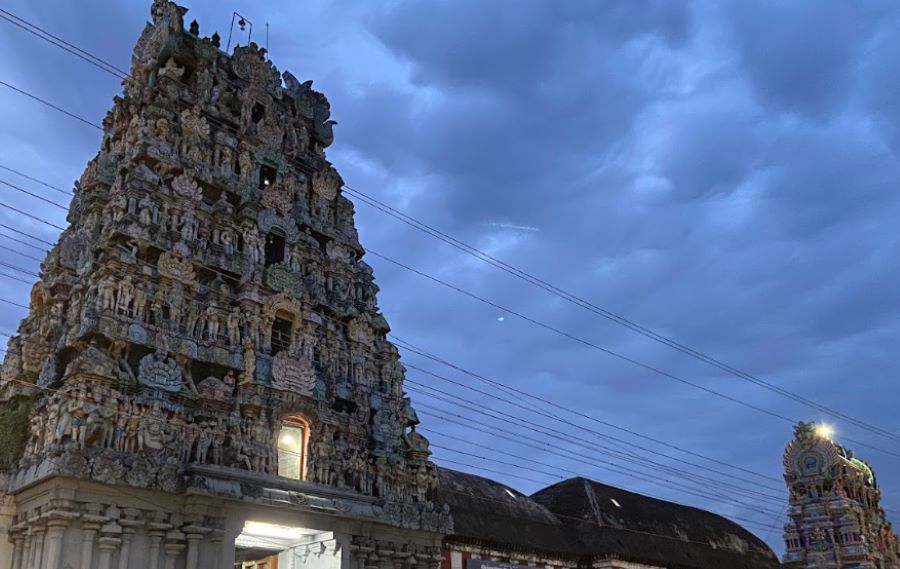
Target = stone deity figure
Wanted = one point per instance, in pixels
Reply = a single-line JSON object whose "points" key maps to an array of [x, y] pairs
{"points": [[233, 324], [106, 293], [204, 440], [145, 211], [218, 443], [36, 435], [246, 164], [249, 373], [226, 238], [212, 324], [152, 430], [323, 450], [189, 435], [140, 302], [251, 325], [118, 205], [125, 296]]}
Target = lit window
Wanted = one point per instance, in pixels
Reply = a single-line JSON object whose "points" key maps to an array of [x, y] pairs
{"points": [[291, 450]]}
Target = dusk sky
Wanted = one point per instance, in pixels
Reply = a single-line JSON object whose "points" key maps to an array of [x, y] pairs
{"points": [[723, 173]]}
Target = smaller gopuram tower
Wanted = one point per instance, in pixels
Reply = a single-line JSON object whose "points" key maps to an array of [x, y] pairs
{"points": [[836, 519]]}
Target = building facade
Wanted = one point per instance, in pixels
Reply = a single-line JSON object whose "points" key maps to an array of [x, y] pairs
{"points": [[836, 518], [204, 377]]}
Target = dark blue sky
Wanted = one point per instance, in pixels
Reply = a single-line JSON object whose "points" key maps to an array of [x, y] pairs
{"points": [[725, 173]]}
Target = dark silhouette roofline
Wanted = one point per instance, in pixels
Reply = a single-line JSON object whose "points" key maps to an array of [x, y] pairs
{"points": [[583, 520]]}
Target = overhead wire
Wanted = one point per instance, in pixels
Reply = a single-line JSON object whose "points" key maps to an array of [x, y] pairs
{"points": [[213, 268], [450, 461], [560, 436], [620, 320], [49, 104], [35, 180]]}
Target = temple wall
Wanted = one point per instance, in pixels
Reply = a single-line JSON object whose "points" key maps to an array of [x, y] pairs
{"points": [[61, 522]]}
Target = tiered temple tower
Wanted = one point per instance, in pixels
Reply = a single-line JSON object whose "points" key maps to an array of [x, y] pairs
{"points": [[204, 349], [835, 507]]}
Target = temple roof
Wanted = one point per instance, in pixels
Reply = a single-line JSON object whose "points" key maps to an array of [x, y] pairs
{"points": [[579, 518]]}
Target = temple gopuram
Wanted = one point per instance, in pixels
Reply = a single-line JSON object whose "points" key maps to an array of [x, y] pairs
{"points": [[836, 519], [204, 373]]}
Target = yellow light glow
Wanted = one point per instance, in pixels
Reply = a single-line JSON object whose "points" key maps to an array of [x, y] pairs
{"points": [[825, 431], [287, 440]]}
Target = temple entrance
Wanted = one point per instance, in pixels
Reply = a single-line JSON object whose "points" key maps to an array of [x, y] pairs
{"points": [[263, 545]]}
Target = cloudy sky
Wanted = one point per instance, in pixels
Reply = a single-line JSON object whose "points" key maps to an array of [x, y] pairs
{"points": [[724, 173]]}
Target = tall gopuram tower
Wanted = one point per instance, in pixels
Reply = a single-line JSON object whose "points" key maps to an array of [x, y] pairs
{"points": [[204, 375], [835, 507]]}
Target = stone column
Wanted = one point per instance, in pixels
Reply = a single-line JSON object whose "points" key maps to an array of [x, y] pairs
{"points": [[57, 523], [17, 537], [107, 546], [38, 547], [27, 547], [385, 553], [174, 547], [216, 541], [194, 535], [89, 531], [361, 548], [156, 531], [128, 529]]}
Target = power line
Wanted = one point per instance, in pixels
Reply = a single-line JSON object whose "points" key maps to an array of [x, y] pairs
{"points": [[15, 278], [33, 179], [13, 303], [476, 467], [560, 436], [34, 195], [706, 492], [62, 44], [582, 341], [34, 217], [231, 276], [644, 331], [579, 427], [407, 346], [11, 250], [176, 334], [20, 232], [51, 105], [231, 297]]}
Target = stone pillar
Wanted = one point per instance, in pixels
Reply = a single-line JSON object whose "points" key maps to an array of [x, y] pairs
{"points": [[57, 523], [385, 553], [156, 532], [18, 540], [89, 531], [38, 547], [233, 525], [215, 540], [107, 546], [128, 529], [194, 535], [27, 547], [110, 539], [174, 547], [7, 520]]}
